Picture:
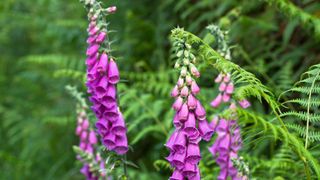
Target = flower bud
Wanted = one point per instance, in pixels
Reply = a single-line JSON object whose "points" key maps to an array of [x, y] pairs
{"points": [[111, 9]]}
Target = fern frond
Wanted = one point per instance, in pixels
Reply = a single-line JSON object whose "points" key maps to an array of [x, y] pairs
{"points": [[307, 20], [279, 133], [162, 164]]}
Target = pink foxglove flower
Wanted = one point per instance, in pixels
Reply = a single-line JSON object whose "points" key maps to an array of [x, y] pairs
{"points": [[228, 142], [102, 77], [190, 123]]}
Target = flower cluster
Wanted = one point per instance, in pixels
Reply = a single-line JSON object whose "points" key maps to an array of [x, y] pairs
{"points": [[87, 141], [228, 142], [190, 119], [102, 77]]}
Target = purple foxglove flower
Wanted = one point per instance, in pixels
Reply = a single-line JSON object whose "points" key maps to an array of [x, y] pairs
{"points": [[192, 102], [213, 148], [121, 144], [92, 50], [222, 128], [171, 140], [111, 114], [177, 104], [180, 82], [90, 61], [190, 125], [214, 122], [227, 78], [175, 91], [194, 88], [189, 170], [226, 97], [229, 88], [183, 113], [101, 88], [102, 126], [223, 174], [194, 71], [244, 103], [83, 145], [92, 137], [193, 154], [219, 78], [222, 87], [103, 63], [179, 160], [113, 72], [184, 91], [170, 158], [197, 176], [205, 130], [111, 92], [119, 127], [109, 141], [101, 37], [176, 175], [85, 124], [200, 111], [78, 130], [93, 31], [179, 144], [91, 39], [176, 121], [224, 144], [189, 80], [84, 135], [217, 101]]}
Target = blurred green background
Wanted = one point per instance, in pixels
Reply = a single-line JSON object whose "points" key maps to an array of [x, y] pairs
{"points": [[42, 49]]}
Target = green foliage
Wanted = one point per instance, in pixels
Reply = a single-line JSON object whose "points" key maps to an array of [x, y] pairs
{"points": [[43, 49]]}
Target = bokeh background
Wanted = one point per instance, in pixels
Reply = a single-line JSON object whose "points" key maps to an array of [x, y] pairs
{"points": [[42, 49]]}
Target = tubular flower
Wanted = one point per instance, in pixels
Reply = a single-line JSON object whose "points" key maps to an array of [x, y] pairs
{"points": [[228, 142], [102, 78], [190, 119], [88, 140]]}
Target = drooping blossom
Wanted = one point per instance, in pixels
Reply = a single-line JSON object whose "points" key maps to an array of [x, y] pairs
{"points": [[88, 140], [228, 142], [102, 78], [190, 121]]}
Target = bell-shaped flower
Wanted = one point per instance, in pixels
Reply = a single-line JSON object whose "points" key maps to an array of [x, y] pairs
{"points": [[190, 125], [192, 102], [177, 104], [178, 160], [189, 170], [92, 50], [109, 140], [176, 175], [244, 103], [230, 88], [184, 91], [118, 126], [217, 101], [222, 87], [171, 141], [175, 91], [219, 78], [101, 37], [194, 88], [121, 144], [205, 130], [92, 137], [179, 144], [226, 97], [103, 63], [183, 113], [200, 111], [193, 153], [113, 72]]}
